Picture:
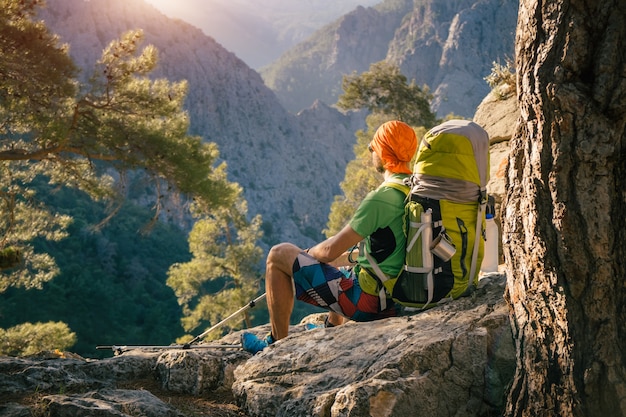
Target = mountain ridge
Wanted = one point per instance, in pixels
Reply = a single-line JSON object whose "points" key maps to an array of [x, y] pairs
{"points": [[447, 45], [258, 33]]}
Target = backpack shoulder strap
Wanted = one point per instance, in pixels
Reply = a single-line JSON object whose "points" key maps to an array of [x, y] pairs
{"points": [[382, 294], [398, 184], [403, 187], [480, 213]]}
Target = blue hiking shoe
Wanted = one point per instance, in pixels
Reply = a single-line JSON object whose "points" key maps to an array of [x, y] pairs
{"points": [[313, 326], [253, 344]]}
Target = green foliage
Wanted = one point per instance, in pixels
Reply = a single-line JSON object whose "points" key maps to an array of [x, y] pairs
{"points": [[225, 255], [23, 219], [502, 79], [36, 85], [10, 257], [84, 136], [28, 338], [36, 73], [111, 285], [384, 90]]}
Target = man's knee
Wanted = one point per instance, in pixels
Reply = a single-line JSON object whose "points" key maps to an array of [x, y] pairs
{"points": [[282, 256]]}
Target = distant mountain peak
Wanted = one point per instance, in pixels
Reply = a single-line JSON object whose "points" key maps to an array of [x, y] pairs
{"points": [[447, 45], [258, 32]]}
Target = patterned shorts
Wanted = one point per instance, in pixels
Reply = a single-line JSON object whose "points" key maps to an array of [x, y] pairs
{"points": [[336, 289]]}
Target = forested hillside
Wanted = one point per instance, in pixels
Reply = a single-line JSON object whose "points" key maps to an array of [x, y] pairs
{"points": [[448, 45], [111, 289]]}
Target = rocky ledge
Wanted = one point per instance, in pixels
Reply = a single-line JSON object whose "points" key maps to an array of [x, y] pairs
{"points": [[453, 360]]}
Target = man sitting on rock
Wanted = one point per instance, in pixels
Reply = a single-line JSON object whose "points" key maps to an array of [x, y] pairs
{"points": [[319, 275]]}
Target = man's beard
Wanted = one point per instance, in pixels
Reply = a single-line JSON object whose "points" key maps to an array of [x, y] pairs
{"points": [[380, 169]]}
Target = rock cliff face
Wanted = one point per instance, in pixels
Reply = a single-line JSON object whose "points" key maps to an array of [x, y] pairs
{"points": [[455, 359], [448, 45], [498, 115]]}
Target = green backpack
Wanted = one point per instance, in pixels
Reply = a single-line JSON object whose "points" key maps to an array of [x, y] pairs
{"points": [[444, 216]]}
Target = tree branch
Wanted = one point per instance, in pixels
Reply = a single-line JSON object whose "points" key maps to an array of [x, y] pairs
{"points": [[21, 154]]}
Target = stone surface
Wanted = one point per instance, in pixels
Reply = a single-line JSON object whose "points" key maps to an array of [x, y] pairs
{"points": [[135, 383], [108, 402], [498, 115], [452, 360]]}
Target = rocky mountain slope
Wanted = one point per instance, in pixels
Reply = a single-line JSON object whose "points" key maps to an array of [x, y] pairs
{"points": [[258, 32], [289, 167], [447, 45]]}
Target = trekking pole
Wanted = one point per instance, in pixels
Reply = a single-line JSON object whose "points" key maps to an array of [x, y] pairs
{"points": [[248, 306], [117, 350], [251, 304]]}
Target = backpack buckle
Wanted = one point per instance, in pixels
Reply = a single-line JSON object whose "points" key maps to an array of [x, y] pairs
{"points": [[482, 197]]}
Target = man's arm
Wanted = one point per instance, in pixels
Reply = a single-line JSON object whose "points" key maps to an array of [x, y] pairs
{"points": [[335, 249], [347, 258]]}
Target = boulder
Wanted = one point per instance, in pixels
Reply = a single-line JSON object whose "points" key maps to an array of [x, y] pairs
{"points": [[134, 383], [498, 114], [452, 360]]}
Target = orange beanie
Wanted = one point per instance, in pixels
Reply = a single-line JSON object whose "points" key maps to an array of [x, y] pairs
{"points": [[396, 143]]}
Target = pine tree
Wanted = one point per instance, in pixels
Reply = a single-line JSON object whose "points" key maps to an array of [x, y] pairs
{"points": [[223, 271], [86, 136], [29, 339], [385, 90], [386, 93]]}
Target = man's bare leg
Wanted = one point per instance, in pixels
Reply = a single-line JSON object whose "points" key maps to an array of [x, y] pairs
{"points": [[280, 292]]}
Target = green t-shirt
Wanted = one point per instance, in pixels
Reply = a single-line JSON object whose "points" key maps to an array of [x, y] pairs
{"points": [[380, 219]]}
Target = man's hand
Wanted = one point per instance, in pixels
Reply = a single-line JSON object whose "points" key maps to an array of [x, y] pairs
{"points": [[335, 249], [348, 258]]}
